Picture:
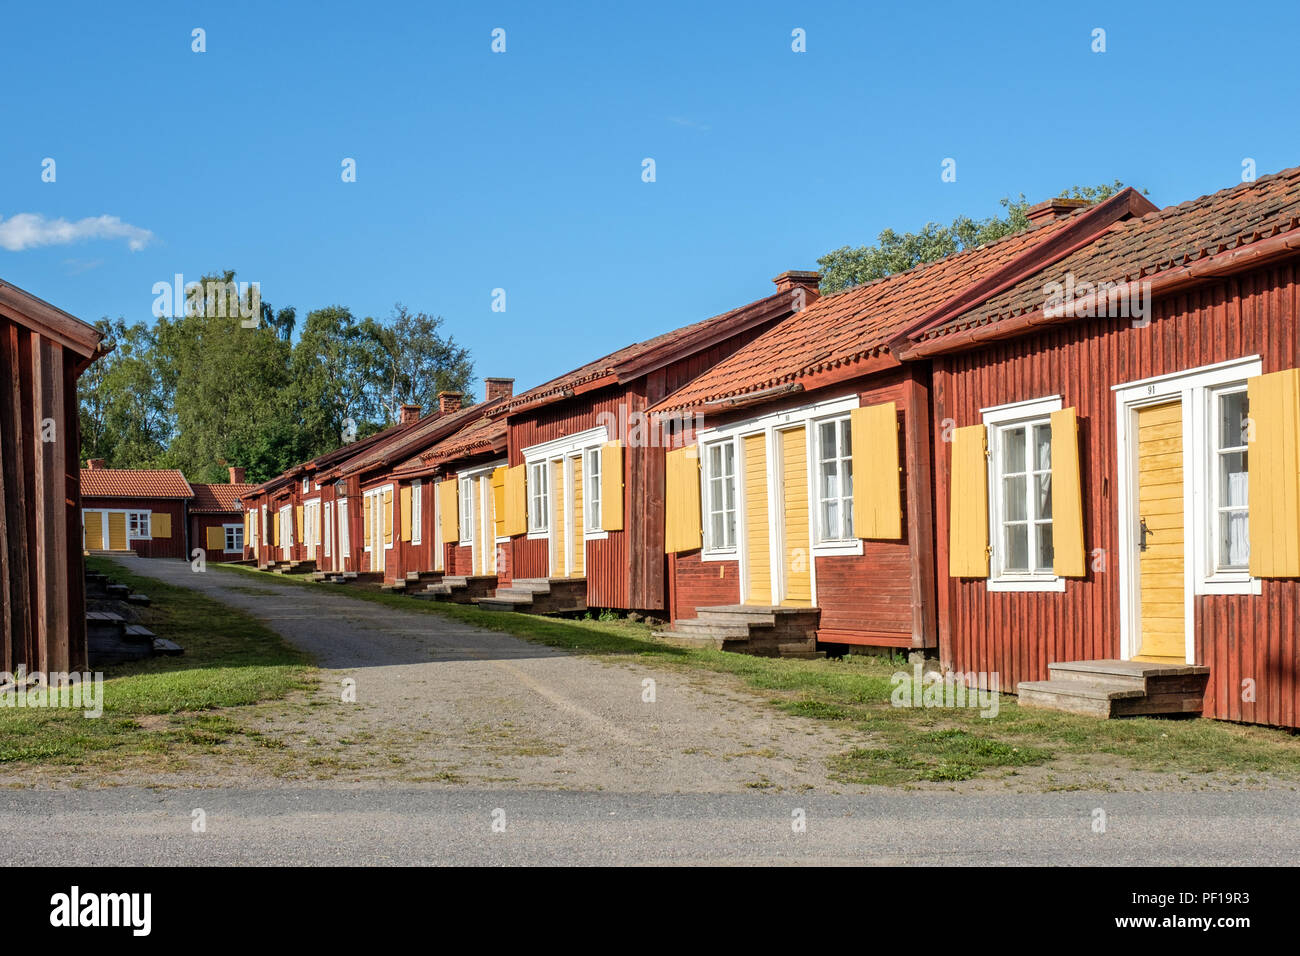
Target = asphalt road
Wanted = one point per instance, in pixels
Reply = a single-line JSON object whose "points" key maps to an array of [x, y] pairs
{"points": [[126, 826]]}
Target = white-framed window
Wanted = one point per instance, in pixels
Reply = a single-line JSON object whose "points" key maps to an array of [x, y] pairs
{"points": [[1020, 496], [306, 486], [834, 455], [1229, 532], [234, 538], [345, 540], [591, 489], [329, 527], [417, 511], [538, 503], [437, 529], [466, 499], [137, 524], [720, 496], [252, 528]]}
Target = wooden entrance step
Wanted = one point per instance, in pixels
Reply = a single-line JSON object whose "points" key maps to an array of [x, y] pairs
{"points": [[459, 589], [1114, 688], [539, 596], [750, 629]]}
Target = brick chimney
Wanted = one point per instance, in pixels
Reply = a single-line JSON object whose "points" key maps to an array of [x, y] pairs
{"points": [[793, 277], [448, 402], [95, 464], [1054, 209], [499, 388], [410, 413], [236, 475]]}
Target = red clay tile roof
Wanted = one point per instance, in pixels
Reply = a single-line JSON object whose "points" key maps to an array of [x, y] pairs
{"points": [[1157, 242], [628, 356], [134, 483], [854, 325], [478, 439], [217, 499], [416, 437]]}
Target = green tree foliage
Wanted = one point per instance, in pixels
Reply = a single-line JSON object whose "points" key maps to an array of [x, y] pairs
{"points": [[211, 388], [894, 252]]}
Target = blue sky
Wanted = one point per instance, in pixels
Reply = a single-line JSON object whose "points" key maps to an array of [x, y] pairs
{"points": [[522, 170]]}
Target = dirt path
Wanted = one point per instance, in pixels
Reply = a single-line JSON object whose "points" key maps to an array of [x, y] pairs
{"points": [[442, 702]]}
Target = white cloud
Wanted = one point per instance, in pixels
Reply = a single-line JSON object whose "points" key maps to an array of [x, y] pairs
{"points": [[29, 229]]}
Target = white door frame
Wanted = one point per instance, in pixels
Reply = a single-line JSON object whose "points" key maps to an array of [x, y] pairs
{"points": [[1187, 387], [285, 517]]}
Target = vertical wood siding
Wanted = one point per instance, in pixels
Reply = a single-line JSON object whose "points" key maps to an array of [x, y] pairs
{"points": [[42, 572], [1019, 634]]}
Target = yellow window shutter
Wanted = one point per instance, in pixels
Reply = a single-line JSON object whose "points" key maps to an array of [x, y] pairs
{"points": [[516, 501], [275, 530], [301, 533], [682, 530], [216, 538], [877, 508], [611, 486], [1067, 497], [447, 499], [1273, 466], [388, 516], [406, 512], [160, 525], [968, 518], [499, 502]]}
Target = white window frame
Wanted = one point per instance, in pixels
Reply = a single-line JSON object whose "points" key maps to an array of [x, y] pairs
{"points": [[327, 522], [139, 519], [345, 533], [712, 549], [591, 502], [815, 499], [306, 486], [559, 451], [539, 525], [1193, 387], [1209, 573], [807, 417], [311, 523], [238, 531], [466, 486], [253, 528], [417, 511], [997, 419]]}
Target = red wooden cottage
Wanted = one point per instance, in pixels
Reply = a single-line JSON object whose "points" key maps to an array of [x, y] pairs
{"points": [[140, 511], [216, 518], [1118, 480], [383, 498], [584, 493], [43, 351], [801, 509], [275, 511]]}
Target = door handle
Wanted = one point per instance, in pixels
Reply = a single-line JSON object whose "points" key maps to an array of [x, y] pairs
{"points": [[1143, 531]]}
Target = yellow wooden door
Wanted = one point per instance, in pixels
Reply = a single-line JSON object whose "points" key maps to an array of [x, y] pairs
{"points": [[117, 530], [758, 548], [559, 565], [93, 522], [797, 557], [1161, 610], [579, 522]]}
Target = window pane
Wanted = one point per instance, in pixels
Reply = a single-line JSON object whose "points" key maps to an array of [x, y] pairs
{"points": [[846, 439], [830, 519], [1043, 495], [1013, 497], [1234, 539], [1017, 538], [826, 440], [1043, 559], [1042, 447], [1232, 420], [1013, 450], [829, 480], [847, 530], [1233, 479]]}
